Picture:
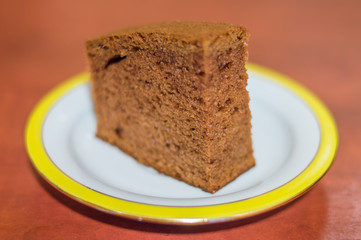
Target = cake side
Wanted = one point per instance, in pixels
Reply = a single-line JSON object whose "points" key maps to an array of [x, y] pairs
{"points": [[155, 94], [229, 116], [148, 101]]}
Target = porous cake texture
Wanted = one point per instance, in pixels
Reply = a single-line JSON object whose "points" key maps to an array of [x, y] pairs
{"points": [[173, 96]]}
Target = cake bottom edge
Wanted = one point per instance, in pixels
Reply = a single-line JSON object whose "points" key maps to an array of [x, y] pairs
{"points": [[248, 163]]}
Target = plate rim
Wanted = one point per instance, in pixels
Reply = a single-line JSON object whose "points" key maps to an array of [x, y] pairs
{"points": [[180, 215]]}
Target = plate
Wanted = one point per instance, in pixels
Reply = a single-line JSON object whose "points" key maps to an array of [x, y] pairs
{"points": [[294, 136]]}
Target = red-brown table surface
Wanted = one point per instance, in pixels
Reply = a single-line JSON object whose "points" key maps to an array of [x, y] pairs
{"points": [[318, 43]]}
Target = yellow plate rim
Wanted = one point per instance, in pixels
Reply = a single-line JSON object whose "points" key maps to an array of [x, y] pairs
{"points": [[185, 215]]}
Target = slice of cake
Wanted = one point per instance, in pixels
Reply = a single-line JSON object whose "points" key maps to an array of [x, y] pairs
{"points": [[173, 96]]}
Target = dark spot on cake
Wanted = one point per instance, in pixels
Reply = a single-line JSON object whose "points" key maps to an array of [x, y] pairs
{"points": [[225, 66], [147, 85], [141, 36], [219, 106], [228, 65], [167, 145], [198, 100], [211, 161], [113, 60], [235, 109], [201, 73], [134, 49], [192, 129], [119, 132], [228, 101]]}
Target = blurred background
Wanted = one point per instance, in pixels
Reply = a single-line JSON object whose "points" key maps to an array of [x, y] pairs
{"points": [[310, 40], [318, 43]]}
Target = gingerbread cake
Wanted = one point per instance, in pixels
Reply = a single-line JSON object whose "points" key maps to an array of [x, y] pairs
{"points": [[173, 96]]}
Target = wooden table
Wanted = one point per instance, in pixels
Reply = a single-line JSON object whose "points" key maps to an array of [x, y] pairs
{"points": [[318, 43]]}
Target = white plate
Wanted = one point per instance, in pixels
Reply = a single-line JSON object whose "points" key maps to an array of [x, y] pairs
{"points": [[294, 138]]}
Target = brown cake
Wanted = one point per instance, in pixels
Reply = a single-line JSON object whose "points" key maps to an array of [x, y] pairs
{"points": [[173, 96]]}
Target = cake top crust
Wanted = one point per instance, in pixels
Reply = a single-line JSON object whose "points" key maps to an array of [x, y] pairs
{"points": [[186, 30], [189, 29], [202, 38]]}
